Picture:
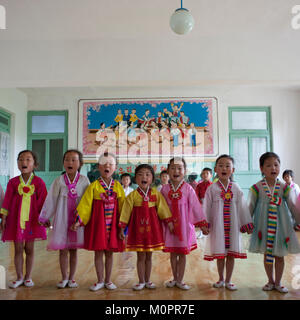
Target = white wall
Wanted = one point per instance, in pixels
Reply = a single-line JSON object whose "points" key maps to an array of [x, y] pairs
{"points": [[284, 103], [14, 102]]}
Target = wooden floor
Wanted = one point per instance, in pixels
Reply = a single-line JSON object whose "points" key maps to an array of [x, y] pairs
{"points": [[249, 276]]}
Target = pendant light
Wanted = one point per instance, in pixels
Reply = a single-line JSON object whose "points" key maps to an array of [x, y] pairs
{"points": [[181, 21]]}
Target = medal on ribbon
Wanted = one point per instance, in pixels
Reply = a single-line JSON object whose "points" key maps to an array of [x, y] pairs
{"points": [[26, 190]]}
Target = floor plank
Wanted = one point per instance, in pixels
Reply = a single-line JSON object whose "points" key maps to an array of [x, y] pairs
{"points": [[248, 275]]}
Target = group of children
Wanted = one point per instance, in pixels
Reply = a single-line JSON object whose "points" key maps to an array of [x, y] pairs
{"points": [[102, 217]]}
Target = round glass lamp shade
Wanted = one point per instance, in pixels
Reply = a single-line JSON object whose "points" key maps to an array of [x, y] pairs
{"points": [[181, 21]]}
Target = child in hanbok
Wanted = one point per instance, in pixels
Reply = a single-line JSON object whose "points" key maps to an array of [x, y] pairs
{"points": [[22, 204], [228, 215], [142, 212], [270, 201], [186, 213], [99, 211], [126, 182], [288, 176], [60, 208]]}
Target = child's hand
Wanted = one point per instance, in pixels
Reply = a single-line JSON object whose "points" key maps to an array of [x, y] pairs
{"points": [[205, 230], [46, 224], [75, 226], [121, 234], [171, 226]]}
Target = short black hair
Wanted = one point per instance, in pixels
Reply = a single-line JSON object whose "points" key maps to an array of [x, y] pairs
{"points": [[123, 175], [222, 156], [177, 159], [34, 156], [80, 156], [206, 169], [266, 156], [288, 172], [145, 166], [163, 172]]}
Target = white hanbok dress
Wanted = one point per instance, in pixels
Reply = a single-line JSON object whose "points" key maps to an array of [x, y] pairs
{"points": [[55, 209], [240, 221]]}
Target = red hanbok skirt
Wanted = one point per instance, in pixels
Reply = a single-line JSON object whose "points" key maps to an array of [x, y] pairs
{"points": [[144, 234], [96, 237]]}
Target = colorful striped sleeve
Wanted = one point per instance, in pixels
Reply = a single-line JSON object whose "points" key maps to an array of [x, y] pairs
{"points": [[255, 190]]}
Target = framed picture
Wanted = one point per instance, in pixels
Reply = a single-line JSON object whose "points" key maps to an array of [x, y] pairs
{"points": [[148, 130]]}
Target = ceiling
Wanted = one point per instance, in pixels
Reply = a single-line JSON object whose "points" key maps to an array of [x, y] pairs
{"points": [[123, 43]]}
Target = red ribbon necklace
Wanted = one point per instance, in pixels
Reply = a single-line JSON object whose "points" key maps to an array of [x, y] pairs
{"points": [[175, 195]]}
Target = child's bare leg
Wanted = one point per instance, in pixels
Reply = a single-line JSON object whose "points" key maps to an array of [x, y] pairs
{"points": [[140, 265], [73, 263], [173, 260], [108, 265], [269, 271], [99, 265], [148, 266], [229, 268], [220, 267], [279, 266], [29, 251], [18, 259], [63, 262], [181, 267]]}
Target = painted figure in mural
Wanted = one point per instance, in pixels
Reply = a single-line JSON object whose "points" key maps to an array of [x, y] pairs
{"points": [[175, 132], [109, 144], [183, 119], [101, 135], [133, 117], [126, 116], [165, 137], [159, 119], [131, 134], [192, 133], [176, 109], [166, 116], [119, 117], [146, 119]]}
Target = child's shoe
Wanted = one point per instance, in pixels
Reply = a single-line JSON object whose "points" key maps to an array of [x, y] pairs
{"points": [[97, 286], [15, 284], [182, 285], [268, 287], [110, 286], [219, 284], [171, 284], [139, 286], [28, 283], [72, 284], [150, 285], [62, 284], [282, 289], [230, 286]]}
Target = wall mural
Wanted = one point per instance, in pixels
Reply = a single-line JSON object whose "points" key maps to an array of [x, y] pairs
{"points": [[148, 130]]}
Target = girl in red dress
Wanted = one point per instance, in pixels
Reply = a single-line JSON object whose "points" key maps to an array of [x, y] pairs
{"points": [[143, 211], [98, 211], [23, 201]]}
